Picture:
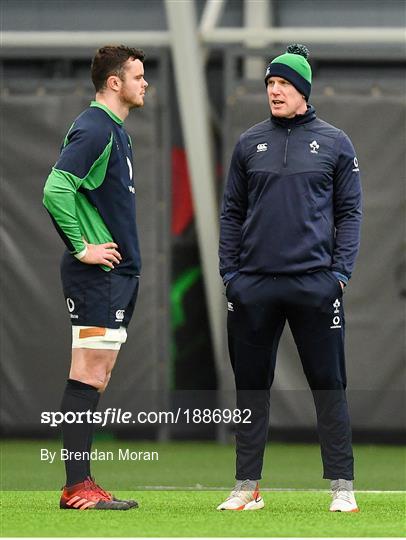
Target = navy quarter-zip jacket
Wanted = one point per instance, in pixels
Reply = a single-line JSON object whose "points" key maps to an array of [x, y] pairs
{"points": [[292, 202]]}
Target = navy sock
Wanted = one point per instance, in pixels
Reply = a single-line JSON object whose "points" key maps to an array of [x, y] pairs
{"points": [[91, 434], [77, 437]]}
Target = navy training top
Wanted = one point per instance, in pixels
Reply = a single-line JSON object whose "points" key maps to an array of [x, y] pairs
{"points": [[292, 202], [90, 193]]}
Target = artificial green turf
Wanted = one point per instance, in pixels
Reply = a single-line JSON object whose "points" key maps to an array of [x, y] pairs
{"points": [[180, 513], [199, 464]]}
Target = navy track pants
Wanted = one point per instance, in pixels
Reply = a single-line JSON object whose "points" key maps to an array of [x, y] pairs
{"points": [[258, 307]]}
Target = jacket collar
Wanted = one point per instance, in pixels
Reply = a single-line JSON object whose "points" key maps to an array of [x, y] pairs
{"points": [[297, 120]]}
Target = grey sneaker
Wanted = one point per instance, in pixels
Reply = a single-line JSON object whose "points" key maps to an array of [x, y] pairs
{"points": [[342, 492], [245, 496]]}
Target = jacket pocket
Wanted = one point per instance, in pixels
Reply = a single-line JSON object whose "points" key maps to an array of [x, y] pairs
{"points": [[338, 289], [231, 283]]}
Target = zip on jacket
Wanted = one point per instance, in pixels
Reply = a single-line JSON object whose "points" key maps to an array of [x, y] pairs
{"points": [[285, 156]]}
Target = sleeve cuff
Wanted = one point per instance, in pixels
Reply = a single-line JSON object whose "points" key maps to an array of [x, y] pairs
{"points": [[81, 254], [341, 277], [228, 276]]}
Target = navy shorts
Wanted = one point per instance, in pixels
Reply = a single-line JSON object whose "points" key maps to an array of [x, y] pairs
{"points": [[105, 299]]}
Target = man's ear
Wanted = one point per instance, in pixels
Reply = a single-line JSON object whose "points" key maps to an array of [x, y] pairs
{"points": [[113, 83]]}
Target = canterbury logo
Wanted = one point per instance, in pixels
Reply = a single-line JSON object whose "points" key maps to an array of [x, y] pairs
{"points": [[262, 147], [120, 315]]}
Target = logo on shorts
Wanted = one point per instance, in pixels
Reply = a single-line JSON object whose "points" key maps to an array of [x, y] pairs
{"points": [[336, 318], [230, 306], [71, 307], [120, 315]]}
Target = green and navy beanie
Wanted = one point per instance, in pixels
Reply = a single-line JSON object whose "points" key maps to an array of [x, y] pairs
{"points": [[294, 67]]}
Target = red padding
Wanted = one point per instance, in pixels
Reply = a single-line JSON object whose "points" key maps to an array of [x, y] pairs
{"points": [[182, 204]]}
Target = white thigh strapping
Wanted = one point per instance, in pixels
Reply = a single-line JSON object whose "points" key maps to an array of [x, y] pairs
{"points": [[90, 337]]}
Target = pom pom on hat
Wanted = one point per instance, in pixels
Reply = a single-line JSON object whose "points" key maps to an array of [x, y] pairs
{"points": [[298, 48]]}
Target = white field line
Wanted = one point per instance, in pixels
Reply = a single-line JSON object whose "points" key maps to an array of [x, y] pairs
{"points": [[199, 487]]}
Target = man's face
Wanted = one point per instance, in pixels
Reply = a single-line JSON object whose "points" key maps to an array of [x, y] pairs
{"points": [[133, 85], [284, 100]]}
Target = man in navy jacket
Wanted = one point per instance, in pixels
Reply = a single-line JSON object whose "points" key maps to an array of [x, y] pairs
{"points": [[290, 232]]}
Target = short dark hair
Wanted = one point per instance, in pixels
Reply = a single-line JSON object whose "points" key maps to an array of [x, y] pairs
{"points": [[110, 60]]}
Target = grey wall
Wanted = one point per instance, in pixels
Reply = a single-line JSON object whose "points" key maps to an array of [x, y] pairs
{"points": [[346, 13], [83, 15], [35, 335], [150, 14]]}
